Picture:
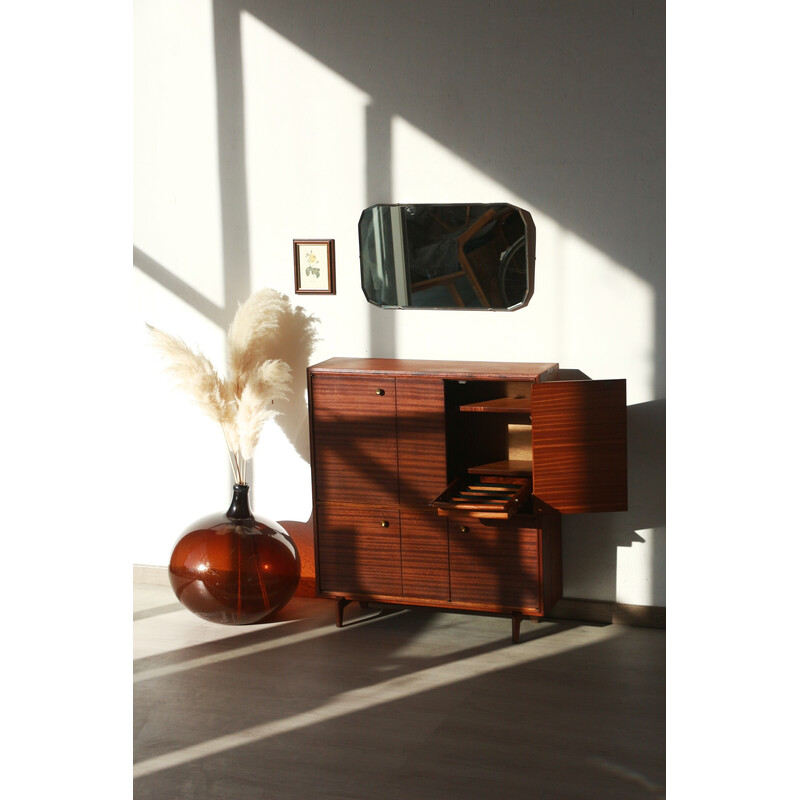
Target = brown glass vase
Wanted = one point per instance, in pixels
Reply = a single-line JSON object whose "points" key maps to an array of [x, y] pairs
{"points": [[233, 568]]}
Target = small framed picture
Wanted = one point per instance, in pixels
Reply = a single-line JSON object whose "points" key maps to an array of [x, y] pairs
{"points": [[314, 268]]}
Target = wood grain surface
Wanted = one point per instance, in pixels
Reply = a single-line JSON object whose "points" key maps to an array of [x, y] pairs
{"points": [[426, 559], [579, 431], [353, 419], [421, 434], [496, 566], [358, 550], [450, 370]]}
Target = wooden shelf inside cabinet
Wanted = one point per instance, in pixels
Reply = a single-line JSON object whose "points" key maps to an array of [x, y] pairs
{"points": [[516, 467], [487, 497], [501, 405]]}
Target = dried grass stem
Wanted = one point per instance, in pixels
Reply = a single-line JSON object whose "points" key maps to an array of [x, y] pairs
{"points": [[243, 401]]}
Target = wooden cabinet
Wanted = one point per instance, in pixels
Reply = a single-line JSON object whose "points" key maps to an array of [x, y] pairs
{"points": [[442, 483]]}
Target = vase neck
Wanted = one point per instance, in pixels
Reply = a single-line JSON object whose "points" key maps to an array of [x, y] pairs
{"points": [[240, 505]]}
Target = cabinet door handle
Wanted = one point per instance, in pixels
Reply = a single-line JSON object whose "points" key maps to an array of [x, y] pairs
{"points": [[464, 529], [384, 523], [380, 392]]}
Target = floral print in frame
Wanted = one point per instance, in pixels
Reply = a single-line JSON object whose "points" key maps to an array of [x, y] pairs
{"points": [[314, 271]]}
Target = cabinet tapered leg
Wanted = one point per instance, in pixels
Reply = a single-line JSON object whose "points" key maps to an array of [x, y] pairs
{"points": [[516, 619], [341, 602]]}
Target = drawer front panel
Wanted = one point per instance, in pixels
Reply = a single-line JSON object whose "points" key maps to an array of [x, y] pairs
{"points": [[355, 438], [495, 565], [358, 551]]}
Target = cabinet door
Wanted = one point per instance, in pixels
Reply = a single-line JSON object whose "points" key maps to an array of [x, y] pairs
{"points": [[358, 551], [355, 438], [496, 566], [580, 445], [421, 432], [426, 565]]}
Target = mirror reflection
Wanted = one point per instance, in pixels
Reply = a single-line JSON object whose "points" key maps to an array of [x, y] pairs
{"points": [[473, 255]]}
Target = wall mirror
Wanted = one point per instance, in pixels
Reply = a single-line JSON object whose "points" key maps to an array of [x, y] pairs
{"points": [[470, 255]]}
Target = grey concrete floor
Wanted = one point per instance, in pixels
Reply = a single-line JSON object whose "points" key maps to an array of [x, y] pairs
{"points": [[397, 704]]}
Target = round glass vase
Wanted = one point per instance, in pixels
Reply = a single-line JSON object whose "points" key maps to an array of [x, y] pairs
{"points": [[232, 568]]}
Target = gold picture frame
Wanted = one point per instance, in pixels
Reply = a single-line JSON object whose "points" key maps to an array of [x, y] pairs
{"points": [[314, 267]]}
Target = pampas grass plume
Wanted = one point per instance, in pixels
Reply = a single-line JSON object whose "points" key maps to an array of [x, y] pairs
{"points": [[252, 331], [267, 383], [244, 401], [196, 375]]}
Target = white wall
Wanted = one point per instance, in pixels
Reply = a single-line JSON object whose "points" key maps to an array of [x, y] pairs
{"points": [[259, 122]]}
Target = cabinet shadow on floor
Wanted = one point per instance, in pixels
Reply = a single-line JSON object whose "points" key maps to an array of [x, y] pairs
{"points": [[421, 703]]}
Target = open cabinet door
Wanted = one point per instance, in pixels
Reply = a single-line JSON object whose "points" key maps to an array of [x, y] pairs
{"points": [[580, 443]]}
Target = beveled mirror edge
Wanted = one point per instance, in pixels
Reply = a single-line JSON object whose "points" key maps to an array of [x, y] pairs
{"points": [[530, 251]]}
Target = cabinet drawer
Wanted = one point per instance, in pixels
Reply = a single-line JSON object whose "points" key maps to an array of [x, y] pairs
{"points": [[358, 551], [355, 438], [496, 565]]}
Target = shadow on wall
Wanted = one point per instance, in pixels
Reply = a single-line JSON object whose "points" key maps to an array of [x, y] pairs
{"points": [[562, 103], [294, 342], [591, 540]]}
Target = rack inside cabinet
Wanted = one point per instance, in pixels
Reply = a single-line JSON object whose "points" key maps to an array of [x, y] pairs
{"points": [[485, 496]]}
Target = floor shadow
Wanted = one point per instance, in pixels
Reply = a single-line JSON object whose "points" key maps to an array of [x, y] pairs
{"points": [[299, 615], [412, 704], [146, 613]]}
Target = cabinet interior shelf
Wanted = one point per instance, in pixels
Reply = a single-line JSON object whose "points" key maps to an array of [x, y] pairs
{"points": [[501, 405], [518, 467]]}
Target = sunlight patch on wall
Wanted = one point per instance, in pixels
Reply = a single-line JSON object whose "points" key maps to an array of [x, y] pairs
{"points": [[305, 144], [635, 570], [176, 444], [609, 317], [176, 201], [286, 494], [305, 157], [425, 171], [588, 312]]}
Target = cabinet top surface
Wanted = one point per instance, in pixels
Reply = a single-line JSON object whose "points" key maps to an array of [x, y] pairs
{"points": [[456, 370]]}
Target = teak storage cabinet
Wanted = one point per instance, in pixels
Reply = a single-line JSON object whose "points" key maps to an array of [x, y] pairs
{"points": [[442, 483]]}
